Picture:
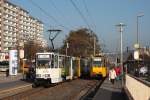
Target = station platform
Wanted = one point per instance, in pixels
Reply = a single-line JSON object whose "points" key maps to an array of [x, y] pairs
{"points": [[109, 91]]}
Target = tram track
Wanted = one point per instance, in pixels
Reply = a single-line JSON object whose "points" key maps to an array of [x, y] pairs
{"points": [[65, 90], [14, 90], [23, 91], [26, 93], [92, 91]]}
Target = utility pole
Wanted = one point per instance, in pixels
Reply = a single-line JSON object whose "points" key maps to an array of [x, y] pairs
{"points": [[94, 45], [137, 46], [121, 25], [67, 46], [51, 38], [138, 16], [17, 42]]}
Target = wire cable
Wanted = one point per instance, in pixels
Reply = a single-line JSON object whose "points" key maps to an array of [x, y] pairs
{"points": [[80, 13], [48, 15], [89, 14], [58, 10]]}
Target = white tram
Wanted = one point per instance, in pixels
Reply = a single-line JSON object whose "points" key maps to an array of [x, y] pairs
{"points": [[52, 68]]}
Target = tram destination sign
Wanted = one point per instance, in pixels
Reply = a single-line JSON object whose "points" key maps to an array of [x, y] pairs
{"points": [[97, 59], [43, 56]]}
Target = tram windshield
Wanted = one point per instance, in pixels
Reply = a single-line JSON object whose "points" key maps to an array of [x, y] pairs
{"points": [[43, 64], [44, 61], [97, 63], [47, 61]]}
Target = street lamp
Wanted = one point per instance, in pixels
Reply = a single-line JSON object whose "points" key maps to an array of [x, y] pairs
{"points": [[138, 16], [121, 25], [137, 45], [94, 44]]}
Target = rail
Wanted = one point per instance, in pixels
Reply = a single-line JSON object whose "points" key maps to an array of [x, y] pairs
{"points": [[14, 90], [92, 91]]}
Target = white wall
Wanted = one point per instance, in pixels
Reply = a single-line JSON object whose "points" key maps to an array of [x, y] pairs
{"points": [[137, 89]]}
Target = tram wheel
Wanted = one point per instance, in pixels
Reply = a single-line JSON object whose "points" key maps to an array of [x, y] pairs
{"points": [[46, 85], [34, 85]]}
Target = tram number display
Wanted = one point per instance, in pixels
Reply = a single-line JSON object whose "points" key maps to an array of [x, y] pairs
{"points": [[43, 56]]}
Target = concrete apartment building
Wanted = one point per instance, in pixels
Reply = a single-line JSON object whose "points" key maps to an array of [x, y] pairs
{"points": [[17, 26]]}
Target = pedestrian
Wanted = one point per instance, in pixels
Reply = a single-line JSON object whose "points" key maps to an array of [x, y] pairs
{"points": [[7, 72], [112, 75], [118, 72]]}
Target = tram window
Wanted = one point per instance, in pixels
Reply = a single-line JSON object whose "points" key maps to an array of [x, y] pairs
{"points": [[49, 63], [97, 63], [43, 63], [63, 62], [56, 61], [52, 62], [60, 62], [67, 63]]}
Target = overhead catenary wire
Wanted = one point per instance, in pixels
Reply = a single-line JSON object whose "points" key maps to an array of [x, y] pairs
{"points": [[89, 14], [48, 15], [58, 10], [80, 13], [91, 18]]}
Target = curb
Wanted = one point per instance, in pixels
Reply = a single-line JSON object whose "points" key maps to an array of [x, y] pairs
{"points": [[127, 94]]}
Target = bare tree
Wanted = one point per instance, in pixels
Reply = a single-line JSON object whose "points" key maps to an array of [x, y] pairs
{"points": [[81, 43]]}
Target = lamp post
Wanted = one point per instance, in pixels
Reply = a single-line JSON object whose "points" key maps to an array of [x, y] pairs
{"points": [[121, 25], [138, 16], [137, 45], [94, 45]]}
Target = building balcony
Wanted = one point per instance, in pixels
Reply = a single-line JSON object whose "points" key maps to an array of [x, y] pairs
{"points": [[10, 12], [7, 40], [6, 28], [5, 45], [10, 19], [8, 34], [10, 24], [10, 7]]}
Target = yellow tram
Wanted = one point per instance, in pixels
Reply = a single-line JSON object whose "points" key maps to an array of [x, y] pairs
{"points": [[98, 66]]}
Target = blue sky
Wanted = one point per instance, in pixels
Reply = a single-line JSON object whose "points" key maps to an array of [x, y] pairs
{"points": [[104, 14]]}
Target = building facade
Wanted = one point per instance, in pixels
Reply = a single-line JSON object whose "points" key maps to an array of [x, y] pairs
{"points": [[17, 26]]}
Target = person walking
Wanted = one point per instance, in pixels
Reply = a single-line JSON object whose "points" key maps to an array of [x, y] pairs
{"points": [[112, 75], [118, 72]]}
